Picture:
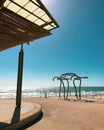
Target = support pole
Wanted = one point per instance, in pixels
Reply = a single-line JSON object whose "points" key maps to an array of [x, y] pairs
{"points": [[19, 78]]}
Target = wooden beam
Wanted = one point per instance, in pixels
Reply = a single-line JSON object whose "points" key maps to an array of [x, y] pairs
{"points": [[15, 28], [1, 2]]}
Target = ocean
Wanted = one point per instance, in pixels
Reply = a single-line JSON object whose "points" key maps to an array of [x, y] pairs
{"points": [[51, 91]]}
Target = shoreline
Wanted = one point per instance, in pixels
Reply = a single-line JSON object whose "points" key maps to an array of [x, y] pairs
{"points": [[88, 92], [89, 97]]}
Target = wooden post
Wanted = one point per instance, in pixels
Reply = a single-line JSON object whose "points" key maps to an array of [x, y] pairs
{"points": [[19, 78]]}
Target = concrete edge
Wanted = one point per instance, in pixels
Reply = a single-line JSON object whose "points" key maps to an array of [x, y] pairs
{"points": [[31, 116]]}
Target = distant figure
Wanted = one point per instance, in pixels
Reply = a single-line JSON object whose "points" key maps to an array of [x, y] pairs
{"points": [[45, 94]]}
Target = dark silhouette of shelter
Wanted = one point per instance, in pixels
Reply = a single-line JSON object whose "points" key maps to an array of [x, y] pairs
{"points": [[22, 21]]}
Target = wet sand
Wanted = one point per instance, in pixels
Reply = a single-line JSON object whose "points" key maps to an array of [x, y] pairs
{"points": [[59, 114]]}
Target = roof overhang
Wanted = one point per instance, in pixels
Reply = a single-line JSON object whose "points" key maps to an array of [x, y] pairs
{"points": [[22, 21]]}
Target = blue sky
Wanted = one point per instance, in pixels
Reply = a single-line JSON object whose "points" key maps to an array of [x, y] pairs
{"points": [[77, 46]]}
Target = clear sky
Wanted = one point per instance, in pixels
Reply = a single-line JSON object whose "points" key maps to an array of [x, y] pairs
{"points": [[77, 46]]}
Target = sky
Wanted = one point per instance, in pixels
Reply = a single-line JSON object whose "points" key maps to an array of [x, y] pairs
{"points": [[76, 46]]}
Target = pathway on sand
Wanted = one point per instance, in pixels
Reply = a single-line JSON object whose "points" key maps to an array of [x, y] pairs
{"points": [[69, 115]]}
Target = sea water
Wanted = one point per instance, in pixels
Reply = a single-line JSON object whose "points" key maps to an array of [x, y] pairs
{"points": [[51, 91]]}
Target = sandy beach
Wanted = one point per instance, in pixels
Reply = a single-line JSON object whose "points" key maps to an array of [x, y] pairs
{"points": [[59, 114], [67, 62]]}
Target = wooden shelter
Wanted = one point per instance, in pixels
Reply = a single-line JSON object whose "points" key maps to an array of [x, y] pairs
{"points": [[22, 21]]}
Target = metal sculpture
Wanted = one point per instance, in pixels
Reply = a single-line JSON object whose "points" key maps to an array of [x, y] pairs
{"points": [[67, 80], [75, 77], [71, 76], [61, 84], [80, 83]]}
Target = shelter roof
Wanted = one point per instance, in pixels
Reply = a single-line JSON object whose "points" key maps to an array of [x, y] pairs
{"points": [[22, 21]]}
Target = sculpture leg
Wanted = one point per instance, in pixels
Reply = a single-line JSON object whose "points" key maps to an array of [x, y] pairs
{"points": [[60, 90], [75, 89], [63, 87], [80, 89], [67, 88]]}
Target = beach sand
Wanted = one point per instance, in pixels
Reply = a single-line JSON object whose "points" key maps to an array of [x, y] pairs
{"points": [[59, 114]]}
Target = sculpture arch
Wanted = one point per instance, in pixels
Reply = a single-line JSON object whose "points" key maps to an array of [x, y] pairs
{"points": [[67, 77]]}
